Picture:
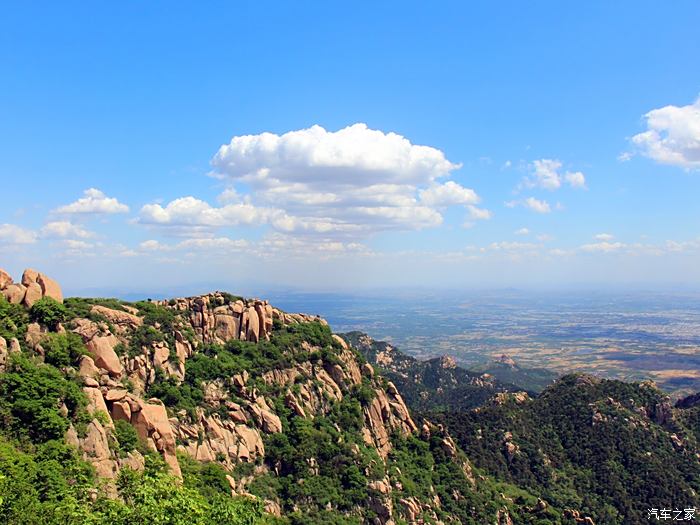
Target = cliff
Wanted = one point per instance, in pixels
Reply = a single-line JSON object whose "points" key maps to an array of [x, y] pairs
{"points": [[287, 409]]}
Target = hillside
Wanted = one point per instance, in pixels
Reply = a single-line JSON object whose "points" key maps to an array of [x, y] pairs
{"points": [[507, 370], [434, 384], [612, 449], [219, 409], [214, 409]]}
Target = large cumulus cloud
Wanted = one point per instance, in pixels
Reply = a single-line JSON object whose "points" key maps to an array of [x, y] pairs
{"points": [[352, 182]]}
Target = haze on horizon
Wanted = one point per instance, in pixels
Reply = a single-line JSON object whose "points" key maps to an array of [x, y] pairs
{"points": [[326, 148]]}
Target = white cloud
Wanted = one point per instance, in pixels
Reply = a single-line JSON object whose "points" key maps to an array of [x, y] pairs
{"points": [[13, 234], [603, 246], [217, 243], [190, 211], [56, 229], [558, 252], [354, 156], [228, 195], [545, 173], [672, 136], [604, 237], [152, 245], [682, 246], [513, 246], [575, 179], [479, 214], [199, 244], [522, 231], [74, 244], [625, 156], [349, 183], [536, 205], [94, 201], [448, 194]]}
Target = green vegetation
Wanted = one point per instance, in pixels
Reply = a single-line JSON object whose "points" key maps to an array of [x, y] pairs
{"points": [[585, 444], [43, 481], [221, 362], [144, 336], [600, 447], [126, 436], [82, 306], [49, 312], [63, 349], [53, 487], [427, 385], [13, 319], [31, 396]]}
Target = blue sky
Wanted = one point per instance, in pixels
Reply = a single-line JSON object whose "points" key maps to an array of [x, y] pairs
{"points": [[440, 144]]}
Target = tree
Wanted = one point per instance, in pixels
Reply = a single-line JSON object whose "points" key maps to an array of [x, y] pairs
{"points": [[49, 312]]}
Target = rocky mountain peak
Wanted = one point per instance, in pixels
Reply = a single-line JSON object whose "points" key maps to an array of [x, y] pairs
{"points": [[32, 287]]}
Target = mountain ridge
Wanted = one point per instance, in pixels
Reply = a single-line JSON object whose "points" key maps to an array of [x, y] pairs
{"points": [[222, 404]]}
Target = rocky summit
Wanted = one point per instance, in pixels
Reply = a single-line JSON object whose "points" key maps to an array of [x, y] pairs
{"points": [[225, 409]]}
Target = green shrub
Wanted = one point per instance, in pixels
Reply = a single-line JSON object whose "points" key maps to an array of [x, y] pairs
{"points": [[144, 335], [13, 319], [31, 395], [49, 312], [63, 349], [126, 435]]}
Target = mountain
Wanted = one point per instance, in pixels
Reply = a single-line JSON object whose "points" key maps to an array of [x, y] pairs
{"points": [[609, 448], [219, 409], [506, 370], [214, 409], [434, 384]]}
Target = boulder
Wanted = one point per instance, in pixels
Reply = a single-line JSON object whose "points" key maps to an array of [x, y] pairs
{"points": [[117, 317], [253, 332], [250, 439], [133, 460], [102, 350], [32, 294], [29, 276], [96, 403], [14, 293], [5, 279], [115, 394], [121, 411], [88, 368], [34, 335], [271, 422], [152, 422], [49, 287], [340, 341], [160, 354], [226, 327]]}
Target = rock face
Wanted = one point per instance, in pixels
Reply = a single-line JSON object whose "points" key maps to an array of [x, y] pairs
{"points": [[234, 417], [152, 425], [216, 318], [100, 343], [123, 320], [33, 286]]}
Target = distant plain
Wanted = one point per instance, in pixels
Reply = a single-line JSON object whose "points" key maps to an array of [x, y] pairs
{"points": [[624, 335]]}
